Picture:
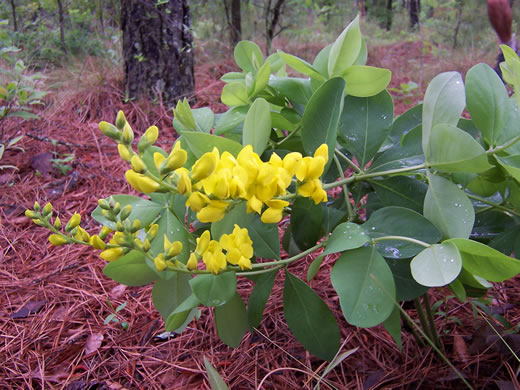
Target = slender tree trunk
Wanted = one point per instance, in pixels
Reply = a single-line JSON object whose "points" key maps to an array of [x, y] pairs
{"points": [[234, 20], [415, 10], [460, 6], [13, 11], [272, 19], [389, 15], [157, 49], [61, 22]]}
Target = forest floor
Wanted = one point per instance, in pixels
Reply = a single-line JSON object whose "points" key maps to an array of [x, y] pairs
{"points": [[54, 299]]}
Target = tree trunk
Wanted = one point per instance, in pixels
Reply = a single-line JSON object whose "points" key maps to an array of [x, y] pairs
{"points": [[13, 11], [234, 20], [459, 7], [389, 15], [272, 19], [157, 50], [61, 22], [414, 11]]}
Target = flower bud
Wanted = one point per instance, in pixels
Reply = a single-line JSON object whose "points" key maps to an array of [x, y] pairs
{"points": [[74, 221], [152, 231], [158, 158], [119, 226], [203, 243], [128, 135], [125, 212], [30, 214], [159, 262], [120, 120], [108, 214], [146, 245], [105, 231], [111, 254], [57, 223], [110, 130], [58, 239], [149, 137], [82, 234], [196, 201], [136, 225], [127, 225], [38, 222], [96, 242], [116, 208], [176, 159], [137, 164], [124, 152], [183, 181], [192, 262], [36, 206], [120, 238], [47, 209], [104, 204], [140, 182]]}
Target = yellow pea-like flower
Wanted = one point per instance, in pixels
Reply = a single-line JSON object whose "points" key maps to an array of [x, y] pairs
{"points": [[205, 165], [172, 249], [254, 204], [159, 262], [203, 243], [96, 242], [152, 231], [82, 234], [74, 221], [197, 200], [111, 254], [138, 164], [105, 231], [183, 181], [124, 152], [151, 134], [58, 239], [322, 151], [175, 160], [141, 182], [291, 162], [307, 189], [192, 262], [315, 168], [213, 212], [158, 159], [274, 212]]}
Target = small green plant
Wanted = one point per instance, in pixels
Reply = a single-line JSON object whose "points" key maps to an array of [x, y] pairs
{"points": [[415, 204], [62, 163], [406, 91], [114, 316]]}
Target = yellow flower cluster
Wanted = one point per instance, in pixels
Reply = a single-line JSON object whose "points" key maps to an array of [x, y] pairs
{"points": [[238, 249]]}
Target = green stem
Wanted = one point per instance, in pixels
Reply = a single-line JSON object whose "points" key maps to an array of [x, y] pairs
{"points": [[433, 330], [262, 271], [495, 205], [348, 160], [422, 318], [288, 136], [350, 212], [402, 238], [373, 174], [504, 146], [411, 326], [290, 259]]}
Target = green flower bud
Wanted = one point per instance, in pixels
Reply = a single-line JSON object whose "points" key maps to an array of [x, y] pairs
{"points": [[47, 209], [108, 214], [124, 152], [127, 225], [117, 208], [30, 214], [128, 135], [58, 239], [36, 206], [38, 222], [152, 231], [136, 225], [146, 245], [148, 138], [125, 212], [105, 231], [57, 223], [119, 226], [103, 203], [120, 120], [137, 164], [110, 130], [74, 221], [96, 242], [120, 239]]}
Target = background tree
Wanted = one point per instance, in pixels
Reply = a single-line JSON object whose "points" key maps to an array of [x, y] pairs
{"points": [[157, 49], [234, 20]]}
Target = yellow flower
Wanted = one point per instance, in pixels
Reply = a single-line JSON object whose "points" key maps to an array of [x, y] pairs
{"points": [[159, 262], [137, 164], [196, 201], [96, 242], [205, 165], [239, 247], [141, 182], [254, 204], [291, 162], [74, 221], [151, 134], [203, 243], [111, 254], [274, 212], [213, 212], [172, 249], [124, 152], [82, 235], [322, 151], [152, 231], [214, 258], [192, 262], [58, 239], [158, 159], [183, 181], [312, 189]]}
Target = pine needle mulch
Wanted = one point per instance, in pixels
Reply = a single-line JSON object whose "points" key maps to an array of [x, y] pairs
{"points": [[55, 299]]}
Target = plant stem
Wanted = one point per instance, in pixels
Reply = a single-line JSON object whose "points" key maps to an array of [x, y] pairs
{"points": [[504, 146], [350, 212], [402, 238], [348, 160], [495, 205], [422, 318], [433, 330], [288, 136], [373, 174], [290, 259]]}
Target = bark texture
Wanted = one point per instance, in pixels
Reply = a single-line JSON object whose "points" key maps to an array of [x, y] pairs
{"points": [[157, 49]]}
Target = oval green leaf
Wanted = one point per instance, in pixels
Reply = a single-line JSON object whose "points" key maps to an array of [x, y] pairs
{"points": [[366, 81], [214, 290], [248, 56], [168, 294], [257, 126], [131, 270], [200, 143], [345, 49], [234, 94], [258, 298], [346, 236], [437, 265], [231, 321]]}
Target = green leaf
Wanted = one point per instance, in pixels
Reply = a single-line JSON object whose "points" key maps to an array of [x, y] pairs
{"points": [[481, 260], [297, 90], [443, 103], [214, 290], [237, 215], [366, 81], [446, 154], [448, 208], [402, 191], [201, 143], [487, 100], [265, 237], [345, 49], [258, 298], [130, 270], [175, 230], [437, 265], [511, 164], [306, 222], [234, 94], [321, 117], [400, 221], [314, 267], [346, 236], [214, 379], [257, 126], [393, 326], [365, 124], [248, 56], [231, 119], [231, 321], [300, 65], [233, 77], [309, 318], [261, 79], [405, 123], [168, 294], [365, 286], [182, 316], [142, 209]]}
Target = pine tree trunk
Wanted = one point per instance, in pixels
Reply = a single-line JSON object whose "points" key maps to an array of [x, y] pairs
{"points": [[414, 10], [157, 50], [13, 11]]}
